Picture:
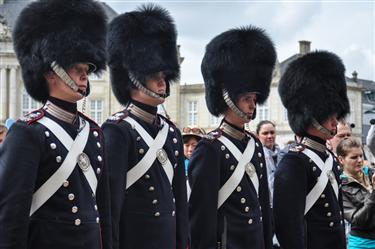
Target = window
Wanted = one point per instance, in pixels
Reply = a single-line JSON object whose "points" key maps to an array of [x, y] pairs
{"points": [[263, 112], [28, 104], [215, 120], [192, 113], [96, 110], [94, 76]]}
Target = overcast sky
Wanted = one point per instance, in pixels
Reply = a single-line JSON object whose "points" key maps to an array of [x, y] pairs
{"points": [[346, 28]]}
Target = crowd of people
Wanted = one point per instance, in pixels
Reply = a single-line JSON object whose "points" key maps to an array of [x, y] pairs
{"points": [[138, 182]]}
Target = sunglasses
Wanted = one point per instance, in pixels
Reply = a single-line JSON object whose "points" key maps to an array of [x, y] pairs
{"points": [[193, 131]]}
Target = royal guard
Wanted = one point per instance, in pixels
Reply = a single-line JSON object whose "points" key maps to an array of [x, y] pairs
{"points": [[54, 190], [145, 150], [307, 190], [229, 203]]}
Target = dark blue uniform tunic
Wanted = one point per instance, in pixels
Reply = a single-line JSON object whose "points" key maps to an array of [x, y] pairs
{"points": [[150, 214], [322, 227], [243, 221], [73, 217]]}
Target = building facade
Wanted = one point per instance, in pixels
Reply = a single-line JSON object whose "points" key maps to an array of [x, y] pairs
{"points": [[186, 104]]}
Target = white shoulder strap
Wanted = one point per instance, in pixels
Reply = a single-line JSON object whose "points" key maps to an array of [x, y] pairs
{"points": [[326, 174], [243, 161], [75, 148], [155, 149]]}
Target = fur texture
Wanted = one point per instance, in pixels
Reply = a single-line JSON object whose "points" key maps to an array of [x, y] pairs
{"points": [[65, 31], [239, 60], [142, 42], [314, 86]]}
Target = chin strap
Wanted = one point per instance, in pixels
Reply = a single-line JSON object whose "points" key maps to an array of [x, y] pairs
{"points": [[150, 93], [66, 78], [322, 129], [234, 108]]}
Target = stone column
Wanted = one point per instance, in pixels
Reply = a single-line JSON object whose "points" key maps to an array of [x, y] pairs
{"points": [[3, 94], [13, 93]]}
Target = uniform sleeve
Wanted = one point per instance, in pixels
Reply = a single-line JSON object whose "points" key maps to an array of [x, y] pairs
{"points": [[264, 199], [290, 188], [116, 149], [361, 216], [103, 200], [180, 193], [20, 156], [204, 179]]}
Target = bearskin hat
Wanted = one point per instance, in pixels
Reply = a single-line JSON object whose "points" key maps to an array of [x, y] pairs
{"points": [[239, 60], [314, 87], [141, 42], [65, 31]]}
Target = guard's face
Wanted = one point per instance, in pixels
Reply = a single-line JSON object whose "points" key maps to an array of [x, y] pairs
{"points": [[247, 103], [353, 161], [59, 89], [157, 84], [331, 125], [267, 135], [343, 131]]}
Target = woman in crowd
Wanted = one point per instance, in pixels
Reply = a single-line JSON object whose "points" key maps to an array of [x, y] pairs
{"points": [[358, 194], [191, 137]]}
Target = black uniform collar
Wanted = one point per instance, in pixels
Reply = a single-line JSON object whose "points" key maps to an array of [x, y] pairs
{"points": [[315, 143], [143, 111], [232, 130], [61, 109]]}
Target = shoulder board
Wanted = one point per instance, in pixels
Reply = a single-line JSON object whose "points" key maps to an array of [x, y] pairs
{"points": [[32, 117], [170, 123], [118, 116], [213, 134], [297, 148], [87, 118]]}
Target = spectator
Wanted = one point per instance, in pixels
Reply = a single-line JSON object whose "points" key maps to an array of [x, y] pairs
{"points": [[3, 132], [358, 195], [191, 137], [344, 130], [266, 133]]}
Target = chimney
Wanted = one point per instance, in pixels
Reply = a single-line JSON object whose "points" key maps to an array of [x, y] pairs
{"points": [[304, 47], [355, 76]]}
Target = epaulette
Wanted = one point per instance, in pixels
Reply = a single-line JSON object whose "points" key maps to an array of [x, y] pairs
{"points": [[297, 148], [32, 117], [213, 134], [170, 123], [88, 118], [118, 116]]}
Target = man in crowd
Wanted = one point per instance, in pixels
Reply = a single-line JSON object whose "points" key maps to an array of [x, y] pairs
{"points": [[53, 180]]}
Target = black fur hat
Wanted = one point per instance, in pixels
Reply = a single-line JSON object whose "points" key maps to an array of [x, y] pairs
{"points": [[314, 86], [142, 42], [65, 31], [239, 60]]}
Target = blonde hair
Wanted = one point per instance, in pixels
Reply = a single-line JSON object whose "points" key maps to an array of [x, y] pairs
{"points": [[346, 144]]}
